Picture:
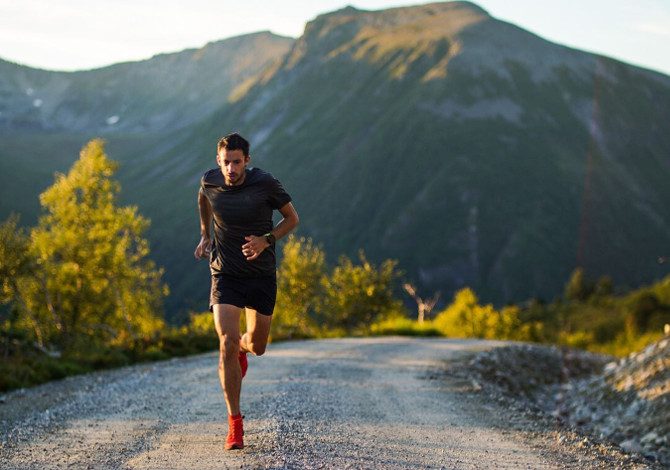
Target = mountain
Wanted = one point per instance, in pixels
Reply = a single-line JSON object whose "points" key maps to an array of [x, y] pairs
{"points": [[474, 152], [166, 91]]}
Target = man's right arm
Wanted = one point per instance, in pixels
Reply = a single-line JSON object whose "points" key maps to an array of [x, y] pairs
{"points": [[205, 209]]}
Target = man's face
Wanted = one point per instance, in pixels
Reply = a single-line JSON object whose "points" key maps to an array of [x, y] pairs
{"points": [[233, 164]]}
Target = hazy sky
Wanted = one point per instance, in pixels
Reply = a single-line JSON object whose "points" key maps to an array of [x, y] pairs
{"points": [[79, 34]]}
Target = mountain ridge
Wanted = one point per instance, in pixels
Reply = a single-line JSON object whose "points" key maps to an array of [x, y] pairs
{"points": [[149, 92], [154, 56]]}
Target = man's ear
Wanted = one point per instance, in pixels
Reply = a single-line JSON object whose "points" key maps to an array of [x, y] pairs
{"points": [[218, 160]]}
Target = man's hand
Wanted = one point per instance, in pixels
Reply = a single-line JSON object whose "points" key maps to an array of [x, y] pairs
{"points": [[203, 249], [254, 246]]}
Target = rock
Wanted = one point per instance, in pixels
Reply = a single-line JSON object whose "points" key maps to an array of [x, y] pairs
{"points": [[649, 437], [629, 445], [609, 367]]}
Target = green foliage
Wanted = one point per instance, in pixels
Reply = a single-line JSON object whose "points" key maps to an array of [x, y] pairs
{"points": [[299, 289], [642, 308], [576, 287], [201, 324], [312, 302], [357, 295], [404, 326], [14, 258], [16, 265], [80, 290], [464, 317], [94, 282], [607, 323], [82, 281], [624, 343], [23, 364], [604, 287]]}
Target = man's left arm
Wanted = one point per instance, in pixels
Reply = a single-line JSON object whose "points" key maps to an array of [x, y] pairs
{"points": [[255, 245]]}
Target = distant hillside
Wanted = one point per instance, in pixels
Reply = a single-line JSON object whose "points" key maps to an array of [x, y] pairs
{"points": [[471, 150], [166, 91]]}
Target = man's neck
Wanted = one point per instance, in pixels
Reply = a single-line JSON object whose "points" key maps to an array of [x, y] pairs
{"points": [[240, 181]]}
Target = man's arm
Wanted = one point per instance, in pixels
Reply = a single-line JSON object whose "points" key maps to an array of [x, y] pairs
{"points": [[255, 245], [205, 209], [288, 223]]}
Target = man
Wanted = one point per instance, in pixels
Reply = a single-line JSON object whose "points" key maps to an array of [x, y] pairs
{"points": [[242, 261]]}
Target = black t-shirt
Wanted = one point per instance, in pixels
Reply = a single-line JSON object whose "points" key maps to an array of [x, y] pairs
{"points": [[239, 211]]}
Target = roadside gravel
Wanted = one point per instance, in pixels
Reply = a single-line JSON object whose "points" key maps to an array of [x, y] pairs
{"points": [[345, 403]]}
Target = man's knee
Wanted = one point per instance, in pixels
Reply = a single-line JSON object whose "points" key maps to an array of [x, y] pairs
{"points": [[229, 346], [257, 349]]}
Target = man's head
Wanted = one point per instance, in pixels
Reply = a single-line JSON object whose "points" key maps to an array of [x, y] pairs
{"points": [[232, 155]]}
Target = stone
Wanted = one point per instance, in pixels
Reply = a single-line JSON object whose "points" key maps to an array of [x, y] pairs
{"points": [[629, 445], [650, 437]]}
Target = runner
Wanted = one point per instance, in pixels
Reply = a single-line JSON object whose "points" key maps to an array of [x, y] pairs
{"points": [[242, 262]]}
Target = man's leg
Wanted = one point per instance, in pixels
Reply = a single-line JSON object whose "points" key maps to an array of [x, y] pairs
{"points": [[227, 323], [258, 330]]}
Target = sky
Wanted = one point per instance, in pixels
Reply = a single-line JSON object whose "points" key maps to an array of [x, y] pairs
{"points": [[84, 34]]}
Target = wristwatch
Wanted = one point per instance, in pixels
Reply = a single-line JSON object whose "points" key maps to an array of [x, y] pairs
{"points": [[270, 238]]}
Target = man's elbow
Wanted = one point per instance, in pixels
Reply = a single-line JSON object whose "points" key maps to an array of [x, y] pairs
{"points": [[296, 221]]}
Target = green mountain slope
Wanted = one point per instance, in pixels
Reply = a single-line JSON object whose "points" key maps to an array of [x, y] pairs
{"points": [[471, 150], [474, 152]]}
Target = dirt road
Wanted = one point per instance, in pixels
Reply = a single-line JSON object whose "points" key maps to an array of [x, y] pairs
{"points": [[347, 403]]}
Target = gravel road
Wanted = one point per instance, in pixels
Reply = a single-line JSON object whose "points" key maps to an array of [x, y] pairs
{"points": [[345, 403]]}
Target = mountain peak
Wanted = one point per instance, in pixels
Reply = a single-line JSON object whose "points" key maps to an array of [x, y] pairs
{"points": [[347, 10], [425, 9], [375, 34]]}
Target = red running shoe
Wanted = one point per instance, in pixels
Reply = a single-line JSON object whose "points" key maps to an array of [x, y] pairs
{"points": [[244, 364], [235, 433]]}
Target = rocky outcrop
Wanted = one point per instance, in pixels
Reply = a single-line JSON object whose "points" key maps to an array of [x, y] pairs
{"points": [[625, 402], [628, 403]]}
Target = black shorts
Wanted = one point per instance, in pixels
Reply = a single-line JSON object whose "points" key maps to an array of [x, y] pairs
{"points": [[258, 293]]}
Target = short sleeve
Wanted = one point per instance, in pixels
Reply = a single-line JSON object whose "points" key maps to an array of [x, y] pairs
{"points": [[202, 183], [278, 197]]}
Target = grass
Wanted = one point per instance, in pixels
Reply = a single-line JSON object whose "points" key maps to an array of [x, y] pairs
{"points": [[22, 365]]}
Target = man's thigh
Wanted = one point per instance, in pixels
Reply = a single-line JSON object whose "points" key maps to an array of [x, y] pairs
{"points": [[227, 319], [258, 326]]}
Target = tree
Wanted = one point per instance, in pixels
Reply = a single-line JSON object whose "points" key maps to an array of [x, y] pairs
{"points": [[424, 306], [604, 287], [299, 288], [464, 317], [94, 281], [461, 317], [16, 265], [577, 287], [357, 295], [641, 308]]}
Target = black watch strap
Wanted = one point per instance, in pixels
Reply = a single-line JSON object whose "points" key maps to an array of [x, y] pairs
{"points": [[270, 238]]}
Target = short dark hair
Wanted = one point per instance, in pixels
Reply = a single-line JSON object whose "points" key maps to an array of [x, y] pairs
{"points": [[233, 141]]}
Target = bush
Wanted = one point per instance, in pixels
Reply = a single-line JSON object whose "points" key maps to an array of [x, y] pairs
{"points": [[357, 295], [403, 326]]}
